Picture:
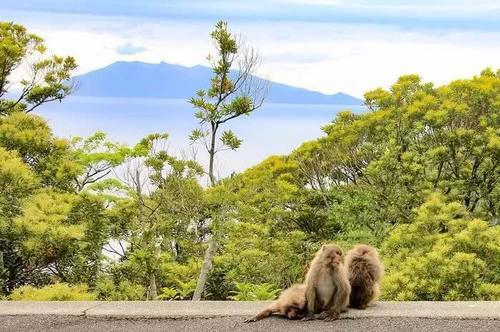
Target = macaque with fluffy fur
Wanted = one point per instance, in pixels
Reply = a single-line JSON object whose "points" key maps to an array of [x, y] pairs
{"points": [[327, 286], [290, 304], [364, 270]]}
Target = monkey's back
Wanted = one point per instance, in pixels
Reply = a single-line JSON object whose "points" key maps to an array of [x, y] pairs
{"points": [[363, 285]]}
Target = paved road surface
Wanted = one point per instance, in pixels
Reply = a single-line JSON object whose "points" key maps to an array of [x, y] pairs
{"points": [[233, 324], [213, 309]]}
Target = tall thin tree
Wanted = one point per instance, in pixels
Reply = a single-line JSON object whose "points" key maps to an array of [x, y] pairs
{"points": [[233, 92]]}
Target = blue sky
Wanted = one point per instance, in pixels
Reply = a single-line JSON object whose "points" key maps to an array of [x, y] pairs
{"points": [[329, 46], [482, 15]]}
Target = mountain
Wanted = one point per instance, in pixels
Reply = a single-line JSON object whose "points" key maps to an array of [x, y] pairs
{"points": [[163, 80]]}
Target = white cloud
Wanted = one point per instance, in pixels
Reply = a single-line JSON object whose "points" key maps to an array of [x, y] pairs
{"points": [[325, 57], [129, 49]]}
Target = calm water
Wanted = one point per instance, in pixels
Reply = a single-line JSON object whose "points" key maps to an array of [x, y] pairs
{"points": [[273, 129]]}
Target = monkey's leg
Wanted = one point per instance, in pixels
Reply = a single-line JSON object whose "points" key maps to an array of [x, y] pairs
{"points": [[266, 312], [338, 303]]}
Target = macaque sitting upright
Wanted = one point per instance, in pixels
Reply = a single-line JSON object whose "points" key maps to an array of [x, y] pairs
{"points": [[327, 287], [364, 270]]}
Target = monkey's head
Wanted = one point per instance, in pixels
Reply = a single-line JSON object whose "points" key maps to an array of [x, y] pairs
{"points": [[296, 311], [364, 250], [332, 254]]}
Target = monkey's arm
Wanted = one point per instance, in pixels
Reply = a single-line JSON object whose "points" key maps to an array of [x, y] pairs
{"points": [[266, 312], [310, 300]]}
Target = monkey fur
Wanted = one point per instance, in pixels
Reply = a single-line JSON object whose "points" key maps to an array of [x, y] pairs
{"points": [[364, 270], [290, 304], [327, 286]]}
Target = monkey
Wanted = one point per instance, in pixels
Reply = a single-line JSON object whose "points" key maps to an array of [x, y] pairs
{"points": [[327, 286], [290, 304], [364, 270]]}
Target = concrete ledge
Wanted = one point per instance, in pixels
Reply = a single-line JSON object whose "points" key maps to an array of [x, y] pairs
{"points": [[209, 309], [70, 308], [443, 310]]}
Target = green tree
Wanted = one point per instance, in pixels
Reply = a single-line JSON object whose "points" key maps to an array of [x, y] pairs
{"points": [[231, 94], [49, 157], [61, 235], [48, 76], [98, 157], [444, 254], [258, 229], [438, 139], [17, 182], [415, 139], [153, 217], [32, 158]]}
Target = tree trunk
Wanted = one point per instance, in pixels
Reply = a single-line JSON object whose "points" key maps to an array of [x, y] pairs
{"points": [[211, 155], [205, 269], [212, 244], [152, 290], [138, 190]]}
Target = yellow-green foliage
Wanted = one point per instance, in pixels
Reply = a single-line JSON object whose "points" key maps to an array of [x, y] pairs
{"points": [[124, 291], [254, 255], [175, 273], [55, 292], [49, 156], [45, 223], [16, 182], [442, 255], [250, 292], [14, 172]]}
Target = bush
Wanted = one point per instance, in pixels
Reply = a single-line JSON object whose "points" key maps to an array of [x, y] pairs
{"points": [[124, 291], [253, 254], [55, 292], [250, 292], [175, 274], [443, 255], [183, 291], [218, 286]]}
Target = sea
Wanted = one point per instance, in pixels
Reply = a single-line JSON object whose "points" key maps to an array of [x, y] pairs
{"points": [[274, 129]]}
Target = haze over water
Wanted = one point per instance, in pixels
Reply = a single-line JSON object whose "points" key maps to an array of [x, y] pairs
{"points": [[273, 129]]}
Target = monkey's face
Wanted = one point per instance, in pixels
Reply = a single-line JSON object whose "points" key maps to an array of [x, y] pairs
{"points": [[296, 311], [337, 258], [333, 255]]}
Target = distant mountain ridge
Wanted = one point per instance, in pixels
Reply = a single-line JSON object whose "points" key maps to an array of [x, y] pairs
{"points": [[164, 80]]}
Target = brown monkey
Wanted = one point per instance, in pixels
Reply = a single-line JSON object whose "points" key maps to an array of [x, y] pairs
{"points": [[364, 270], [327, 287], [290, 304]]}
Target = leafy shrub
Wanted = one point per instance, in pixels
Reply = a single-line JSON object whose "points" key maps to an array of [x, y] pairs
{"points": [[265, 292], [183, 291], [218, 287], [106, 289], [250, 292], [175, 274], [55, 292], [167, 294], [443, 255], [253, 254]]}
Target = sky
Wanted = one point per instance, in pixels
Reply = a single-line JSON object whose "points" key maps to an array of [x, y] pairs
{"points": [[327, 46]]}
